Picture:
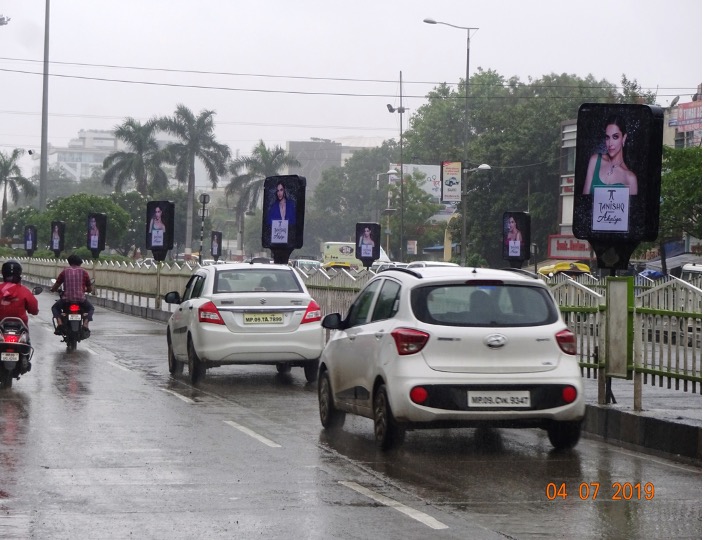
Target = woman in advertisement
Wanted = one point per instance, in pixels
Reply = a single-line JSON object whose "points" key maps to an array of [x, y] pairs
{"points": [[610, 169]]}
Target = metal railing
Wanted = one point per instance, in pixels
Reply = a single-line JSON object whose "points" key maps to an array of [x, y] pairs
{"points": [[666, 319]]}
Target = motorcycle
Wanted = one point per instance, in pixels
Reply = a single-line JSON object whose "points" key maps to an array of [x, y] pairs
{"points": [[15, 349], [73, 318]]}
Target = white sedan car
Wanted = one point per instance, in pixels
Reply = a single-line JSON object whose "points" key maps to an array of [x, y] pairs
{"points": [[452, 347], [244, 313]]}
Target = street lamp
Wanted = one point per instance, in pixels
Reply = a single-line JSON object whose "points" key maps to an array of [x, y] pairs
{"points": [[400, 110], [467, 128]]}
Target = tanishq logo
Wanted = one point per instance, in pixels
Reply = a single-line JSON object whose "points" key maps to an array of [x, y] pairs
{"points": [[495, 341]]}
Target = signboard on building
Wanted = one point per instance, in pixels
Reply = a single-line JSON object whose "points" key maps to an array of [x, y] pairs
{"points": [[567, 247]]}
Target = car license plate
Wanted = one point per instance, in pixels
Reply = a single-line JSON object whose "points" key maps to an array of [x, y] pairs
{"points": [[10, 357], [498, 398], [263, 318], [74, 317]]}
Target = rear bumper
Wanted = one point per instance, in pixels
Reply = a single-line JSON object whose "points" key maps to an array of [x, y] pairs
{"points": [[224, 348]]}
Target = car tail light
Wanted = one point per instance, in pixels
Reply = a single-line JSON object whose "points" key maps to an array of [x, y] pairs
{"points": [[418, 395], [409, 340], [569, 394], [208, 313], [566, 341], [312, 313], [74, 308]]}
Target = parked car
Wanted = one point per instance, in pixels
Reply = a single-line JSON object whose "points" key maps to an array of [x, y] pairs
{"points": [[244, 313], [452, 347], [426, 264]]}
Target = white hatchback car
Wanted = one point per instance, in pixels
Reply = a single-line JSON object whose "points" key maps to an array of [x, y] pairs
{"points": [[244, 313], [452, 347]]}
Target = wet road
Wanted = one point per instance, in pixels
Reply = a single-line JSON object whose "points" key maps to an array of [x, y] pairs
{"points": [[103, 443]]}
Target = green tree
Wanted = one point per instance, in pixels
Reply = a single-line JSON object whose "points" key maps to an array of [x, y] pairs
{"points": [[197, 142], [680, 200], [351, 194], [133, 236], [514, 127], [73, 211], [248, 174], [12, 179], [681, 192], [141, 165]]}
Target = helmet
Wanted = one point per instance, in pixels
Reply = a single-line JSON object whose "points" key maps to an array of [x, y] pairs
{"points": [[12, 271], [74, 260]]}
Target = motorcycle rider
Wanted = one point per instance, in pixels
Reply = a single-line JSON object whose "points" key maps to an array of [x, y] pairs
{"points": [[15, 300], [76, 283]]}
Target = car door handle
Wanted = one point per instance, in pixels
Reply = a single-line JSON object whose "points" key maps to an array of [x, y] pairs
{"points": [[379, 335]]}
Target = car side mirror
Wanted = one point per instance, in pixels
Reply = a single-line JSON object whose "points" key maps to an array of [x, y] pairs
{"points": [[172, 297], [332, 321]]}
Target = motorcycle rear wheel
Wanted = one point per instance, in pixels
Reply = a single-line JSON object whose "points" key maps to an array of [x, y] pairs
{"points": [[6, 379]]}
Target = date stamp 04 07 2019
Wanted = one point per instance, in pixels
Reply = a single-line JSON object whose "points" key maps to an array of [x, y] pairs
{"points": [[621, 491]]}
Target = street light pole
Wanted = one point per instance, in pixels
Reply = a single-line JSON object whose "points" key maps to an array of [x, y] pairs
{"points": [[463, 253], [42, 185], [204, 199], [401, 110]]}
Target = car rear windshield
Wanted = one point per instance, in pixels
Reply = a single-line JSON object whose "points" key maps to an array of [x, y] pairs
{"points": [[483, 305], [256, 280]]}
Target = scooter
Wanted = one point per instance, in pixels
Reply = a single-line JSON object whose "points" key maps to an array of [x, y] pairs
{"points": [[73, 318], [15, 349]]}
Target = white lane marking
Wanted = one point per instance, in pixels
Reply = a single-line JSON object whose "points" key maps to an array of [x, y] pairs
{"points": [[254, 435], [179, 396], [119, 366], [411, 512]]}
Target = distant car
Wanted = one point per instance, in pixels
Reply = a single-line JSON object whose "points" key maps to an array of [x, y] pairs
{"points": [[452, 347], [244, 313], [336, 265], [426, 264], [306, 265], [569, 268]]}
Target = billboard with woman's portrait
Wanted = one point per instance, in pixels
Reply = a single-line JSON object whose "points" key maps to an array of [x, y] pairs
{"points": [[96, 227], [516, 236], [283, 212], [57, 236], [617, 172], [159, 225]]}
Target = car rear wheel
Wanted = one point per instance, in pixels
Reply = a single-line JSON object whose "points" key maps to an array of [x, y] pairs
{"points": [[330, 417], [564, 435], [311, 369], [388, 434], [195, 366]]}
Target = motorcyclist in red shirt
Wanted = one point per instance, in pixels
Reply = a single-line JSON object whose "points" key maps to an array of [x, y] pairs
{"points": [[15, 300]]}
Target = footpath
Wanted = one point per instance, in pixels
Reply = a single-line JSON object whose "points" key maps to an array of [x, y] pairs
{"points": [[669, 423]]}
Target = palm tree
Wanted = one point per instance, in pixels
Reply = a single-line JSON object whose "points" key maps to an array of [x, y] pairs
{"points": [[197, 141], [141, 163], [248, 175], [12, 179]]}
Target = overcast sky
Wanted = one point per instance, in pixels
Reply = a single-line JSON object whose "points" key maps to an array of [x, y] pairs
{"points": [[290, 70]]}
